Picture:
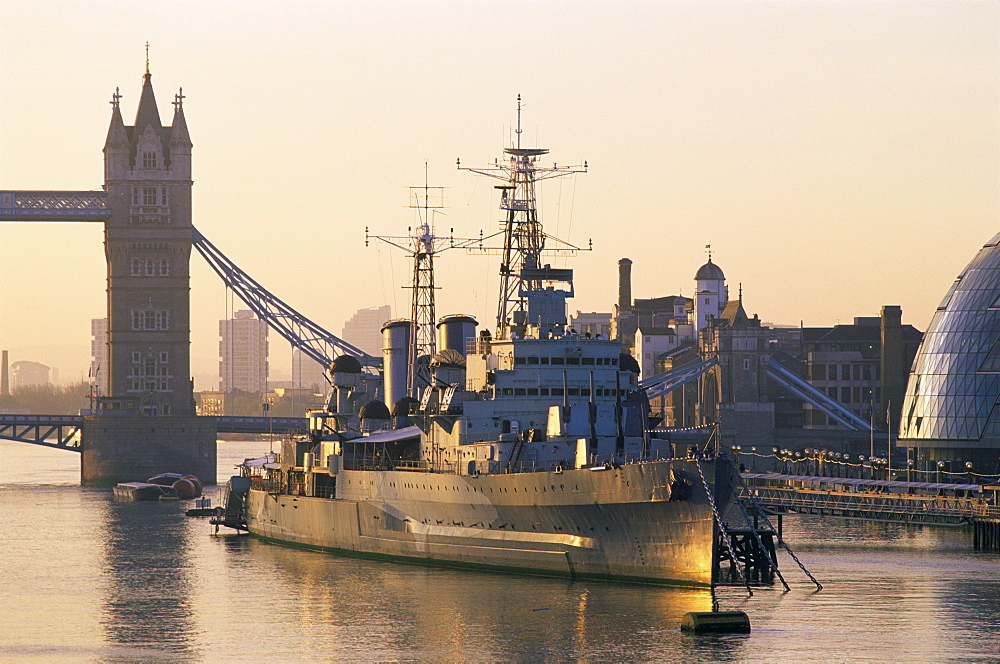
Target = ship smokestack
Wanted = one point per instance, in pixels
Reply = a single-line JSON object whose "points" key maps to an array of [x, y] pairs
{"points": [[624, 284], [4, 376]]}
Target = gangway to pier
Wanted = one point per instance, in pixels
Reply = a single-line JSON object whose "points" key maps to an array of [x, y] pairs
{"points": [[872, 500]]}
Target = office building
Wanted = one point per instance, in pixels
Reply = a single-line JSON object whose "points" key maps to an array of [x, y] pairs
{"points": [[950, 413], [306, 372], [243, 350], [364, 329], [28, 374], [100, 375]]}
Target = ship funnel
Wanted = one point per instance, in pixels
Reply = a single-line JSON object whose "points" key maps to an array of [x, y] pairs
{"points": [[454, 331], [395, 351]]}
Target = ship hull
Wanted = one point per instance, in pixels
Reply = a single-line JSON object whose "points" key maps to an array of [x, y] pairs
{"points": [[648, 522]]}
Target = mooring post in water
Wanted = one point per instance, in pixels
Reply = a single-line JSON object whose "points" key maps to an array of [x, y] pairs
{"points": [[716, 622]]}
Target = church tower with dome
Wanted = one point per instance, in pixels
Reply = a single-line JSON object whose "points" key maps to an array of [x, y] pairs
{"points": [[710, 293]]}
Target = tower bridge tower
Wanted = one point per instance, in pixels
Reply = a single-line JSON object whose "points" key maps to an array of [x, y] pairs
{"points": [[147, 240]]}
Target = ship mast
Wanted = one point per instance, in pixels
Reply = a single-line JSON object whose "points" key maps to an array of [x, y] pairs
{"points": [[523, 278], [422, 313], [422, 245]]}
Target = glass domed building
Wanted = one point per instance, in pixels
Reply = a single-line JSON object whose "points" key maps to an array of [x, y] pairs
{"points": [[951, 410]]}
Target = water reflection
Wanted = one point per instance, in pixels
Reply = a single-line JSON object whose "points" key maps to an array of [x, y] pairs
{"points": [[147, 608], [373, 610], [91, 580], [824, 533]]}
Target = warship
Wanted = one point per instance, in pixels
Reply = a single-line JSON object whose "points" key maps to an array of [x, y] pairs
{"points": [[523, 449]]}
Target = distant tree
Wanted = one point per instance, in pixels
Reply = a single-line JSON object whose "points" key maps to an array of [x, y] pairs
{"points": [[50, 399], [247, 404]]}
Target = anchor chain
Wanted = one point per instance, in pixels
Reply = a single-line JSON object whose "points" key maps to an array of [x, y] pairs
{"points": [[760, 510], [760, 543], [722, 527]]}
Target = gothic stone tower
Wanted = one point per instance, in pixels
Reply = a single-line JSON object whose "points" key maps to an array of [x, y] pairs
{"points": [[734, 393], [147, 242]]}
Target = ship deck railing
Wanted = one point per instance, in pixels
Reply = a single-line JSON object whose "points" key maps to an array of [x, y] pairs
{"points": [[275, 481], [270, 485], [594, 461]]}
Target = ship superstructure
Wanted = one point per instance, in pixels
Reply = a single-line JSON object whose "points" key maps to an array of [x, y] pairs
{"points": [[525, 448]]}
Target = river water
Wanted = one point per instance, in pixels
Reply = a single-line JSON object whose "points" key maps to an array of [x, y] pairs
{"points": [[88, 579]]}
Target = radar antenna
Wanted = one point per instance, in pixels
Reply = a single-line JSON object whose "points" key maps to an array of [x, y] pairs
{"points": [[523, 278]]}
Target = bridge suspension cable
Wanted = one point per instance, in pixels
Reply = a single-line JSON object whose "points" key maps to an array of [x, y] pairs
{"points": [[660, 384], [316, 342], [815, 397]]}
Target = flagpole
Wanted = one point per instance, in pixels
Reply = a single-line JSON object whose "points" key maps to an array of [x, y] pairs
{"points": [[888, 441]]}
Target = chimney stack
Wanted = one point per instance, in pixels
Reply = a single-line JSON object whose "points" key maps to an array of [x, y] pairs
{"points": [[893, 367], [4, 376], [624, 284]]}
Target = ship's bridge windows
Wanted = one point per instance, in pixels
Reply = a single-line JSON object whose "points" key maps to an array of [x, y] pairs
{"points": [[507, 392], [587, 360], [544, 391], [519, 392], [520, 360], [532, 391], [572, 360], [574, 391], [558, 360], [544, 360], [557, 391]]}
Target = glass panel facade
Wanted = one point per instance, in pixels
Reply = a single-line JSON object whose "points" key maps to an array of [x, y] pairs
{"points": [[955, 380]]}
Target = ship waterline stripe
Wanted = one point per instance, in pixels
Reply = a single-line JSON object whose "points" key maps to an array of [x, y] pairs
{"points": [[500, 535]]}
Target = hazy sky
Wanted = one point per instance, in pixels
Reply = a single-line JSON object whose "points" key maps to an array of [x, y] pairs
{"points": [[838, 156]]}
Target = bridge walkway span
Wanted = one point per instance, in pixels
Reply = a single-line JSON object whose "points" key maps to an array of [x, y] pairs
{"points": [[64, 431]]}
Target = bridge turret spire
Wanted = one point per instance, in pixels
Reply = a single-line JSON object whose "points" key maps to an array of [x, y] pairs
{"points": [[116, 145], [179, 137], [116, 130], [147, 113]]}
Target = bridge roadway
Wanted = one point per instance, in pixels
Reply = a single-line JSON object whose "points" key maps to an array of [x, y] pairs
{"points": [[63, 431], [874, 500]]}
